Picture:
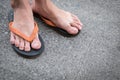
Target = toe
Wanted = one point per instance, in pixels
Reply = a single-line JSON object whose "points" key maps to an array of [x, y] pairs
{"points": [[12, 38], [76, 25], [21, 46], [17, 41], [27, 46], [36, 43], [76, 19], [72, 30]]}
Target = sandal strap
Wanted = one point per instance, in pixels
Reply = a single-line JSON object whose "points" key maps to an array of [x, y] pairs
{"points": [[47, 21], [19, 33]]}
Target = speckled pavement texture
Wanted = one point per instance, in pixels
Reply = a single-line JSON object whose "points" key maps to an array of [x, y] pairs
{"points": [[92, 55]]}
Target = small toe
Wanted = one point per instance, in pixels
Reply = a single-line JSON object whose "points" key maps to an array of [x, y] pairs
{"points": [[78, 26], [22, 44], [12, 38], [17, 41], [76, 19], [27, 46]]}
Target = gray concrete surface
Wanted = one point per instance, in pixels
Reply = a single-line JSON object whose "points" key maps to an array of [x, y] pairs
{"points": [[93, 55]]}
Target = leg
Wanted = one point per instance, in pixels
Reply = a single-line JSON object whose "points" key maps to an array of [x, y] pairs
{"points": [[22, 16], [61, 18]]}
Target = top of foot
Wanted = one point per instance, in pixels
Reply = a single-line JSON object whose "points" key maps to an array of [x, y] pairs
{"points": [[59, 17]]}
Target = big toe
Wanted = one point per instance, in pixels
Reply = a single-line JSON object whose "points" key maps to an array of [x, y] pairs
{"points": [[72, 30], [36, 43]]}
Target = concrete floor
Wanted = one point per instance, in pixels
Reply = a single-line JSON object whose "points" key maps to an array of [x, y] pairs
{"points": [[92, 55]]}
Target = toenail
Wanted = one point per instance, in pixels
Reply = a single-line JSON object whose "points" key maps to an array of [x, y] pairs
{"points": [[27, 49], [21, 48], [16, 45]]}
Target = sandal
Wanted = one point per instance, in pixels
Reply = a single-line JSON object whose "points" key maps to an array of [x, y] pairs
{"points": [[54, 27], [33, 52]]}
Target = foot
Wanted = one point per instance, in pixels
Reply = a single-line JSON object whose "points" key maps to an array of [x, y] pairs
{"points": [[23, 21], [60, 18]]}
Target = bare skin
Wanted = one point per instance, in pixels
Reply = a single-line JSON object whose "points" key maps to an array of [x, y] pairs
{"points": [[23, 9], [59, 17], [45, 8]]}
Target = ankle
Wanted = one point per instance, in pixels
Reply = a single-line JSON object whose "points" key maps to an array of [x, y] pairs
{"points": [[42, 2], [19, 4], [45, 7]]}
